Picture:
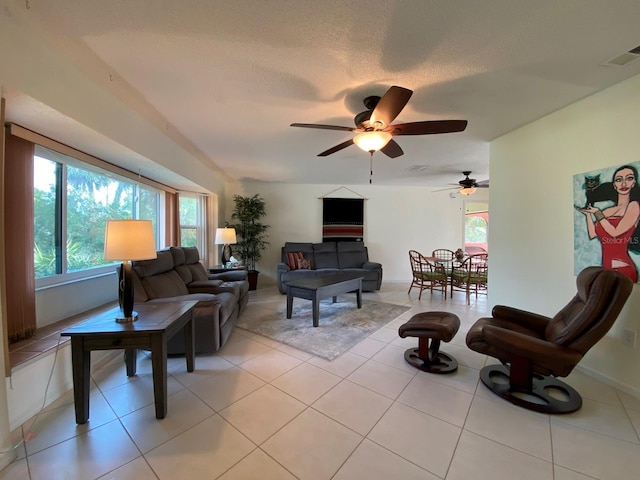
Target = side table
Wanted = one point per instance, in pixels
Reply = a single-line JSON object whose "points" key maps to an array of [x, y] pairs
{"points": [[156, 323]]}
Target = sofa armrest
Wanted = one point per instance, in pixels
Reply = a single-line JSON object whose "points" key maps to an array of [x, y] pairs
{"points": [[371, 265], [282, 267], [231, 276], [202, 298], [204, 286]]}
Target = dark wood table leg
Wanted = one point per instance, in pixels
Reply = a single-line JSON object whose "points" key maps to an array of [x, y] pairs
{"points": [[189, 343], [159, 367], [131, 360], [316, 308], [81, 367], [335, 299], [359, 295], [289, 303]]}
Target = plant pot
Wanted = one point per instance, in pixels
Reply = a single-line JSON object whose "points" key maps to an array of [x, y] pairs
{"points": [[253, 279]]}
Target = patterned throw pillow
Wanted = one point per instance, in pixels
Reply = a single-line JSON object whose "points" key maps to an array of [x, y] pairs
{"points": [[304, 264], [293, 258]]}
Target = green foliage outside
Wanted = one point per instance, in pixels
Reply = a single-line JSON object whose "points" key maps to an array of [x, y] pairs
{"points": [[188, 221], [475, 229], [92, 199]]}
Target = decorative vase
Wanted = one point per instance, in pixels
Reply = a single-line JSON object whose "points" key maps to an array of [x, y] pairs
{"points": [[459, 254]]}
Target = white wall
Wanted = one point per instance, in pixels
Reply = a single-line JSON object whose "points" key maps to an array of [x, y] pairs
{"points": [[531, 211], [397, 219]]}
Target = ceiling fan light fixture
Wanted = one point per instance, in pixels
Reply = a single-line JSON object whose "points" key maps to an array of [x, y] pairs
{"points": [[467, 190], [372, 141]]}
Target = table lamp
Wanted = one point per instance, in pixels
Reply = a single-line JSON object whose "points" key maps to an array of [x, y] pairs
{"points": [[226, 237], [128, 240]]}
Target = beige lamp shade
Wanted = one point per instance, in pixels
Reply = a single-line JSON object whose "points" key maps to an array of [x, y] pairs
{"points": [[372, 141], [467, 190], [129, 240], [225, 236]]}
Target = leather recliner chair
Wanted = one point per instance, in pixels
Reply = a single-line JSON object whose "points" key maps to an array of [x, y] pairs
{"points": [[535, 349]]}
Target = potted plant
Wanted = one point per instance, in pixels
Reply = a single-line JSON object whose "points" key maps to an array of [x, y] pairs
{"points": [[251, 233]]}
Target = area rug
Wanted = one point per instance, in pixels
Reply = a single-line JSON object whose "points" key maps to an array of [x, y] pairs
{"points": [[341, 326]]}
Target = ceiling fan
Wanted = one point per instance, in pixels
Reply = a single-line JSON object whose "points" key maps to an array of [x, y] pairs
{"points": [[467, 185], [374, 127]]}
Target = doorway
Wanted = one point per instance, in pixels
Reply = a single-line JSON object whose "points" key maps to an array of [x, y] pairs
{"points": [[476, 227]]}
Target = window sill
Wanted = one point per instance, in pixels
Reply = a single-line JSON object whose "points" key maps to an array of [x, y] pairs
{"points": [[46, 338]]}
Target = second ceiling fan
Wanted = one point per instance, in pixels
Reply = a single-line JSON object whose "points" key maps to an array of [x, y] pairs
{"points": [[374, 127]]}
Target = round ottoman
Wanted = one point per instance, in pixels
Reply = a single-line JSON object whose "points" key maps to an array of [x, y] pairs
{"points": [[431, 328]]}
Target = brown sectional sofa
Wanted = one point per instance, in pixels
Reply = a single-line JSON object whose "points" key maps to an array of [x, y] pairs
{"points": [[177, 274]]}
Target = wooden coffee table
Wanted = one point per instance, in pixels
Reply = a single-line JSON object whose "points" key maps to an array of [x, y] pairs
{"points": [[319, 288], [156, 323]]}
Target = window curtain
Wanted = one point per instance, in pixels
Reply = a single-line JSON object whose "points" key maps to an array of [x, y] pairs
{"points": [[19, 269], [172, 219], [342, 219]]}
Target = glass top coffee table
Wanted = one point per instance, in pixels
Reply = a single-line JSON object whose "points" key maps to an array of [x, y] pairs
{"points": [[319, 288]]}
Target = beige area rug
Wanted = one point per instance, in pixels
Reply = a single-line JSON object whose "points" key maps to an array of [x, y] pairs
{"points": [[341, 326]]}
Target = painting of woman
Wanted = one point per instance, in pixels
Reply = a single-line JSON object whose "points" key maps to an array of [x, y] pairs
{"points": [[615, 226]]}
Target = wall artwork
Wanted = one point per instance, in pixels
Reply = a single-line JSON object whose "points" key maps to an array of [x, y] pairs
{"points": [[342, 219], [606, 213]]}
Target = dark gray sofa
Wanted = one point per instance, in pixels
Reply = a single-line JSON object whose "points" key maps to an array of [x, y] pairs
{"points": [[176, 275], [327, 258]]}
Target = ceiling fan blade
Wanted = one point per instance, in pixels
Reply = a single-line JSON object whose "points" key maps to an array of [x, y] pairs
{"points": [[323, 127], [428, 127], [483, 184], [337, 148], [390, 105], [392, 149]]}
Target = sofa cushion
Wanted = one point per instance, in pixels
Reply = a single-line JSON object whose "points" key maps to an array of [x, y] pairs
{"points": [[177, 253], [146, 268], [191, 255], [304, 264], [293, 258], [305, 247], [325, 255], [352, 254]]}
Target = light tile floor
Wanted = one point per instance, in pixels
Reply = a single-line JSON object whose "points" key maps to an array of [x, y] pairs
{"points": [[262, 410]]}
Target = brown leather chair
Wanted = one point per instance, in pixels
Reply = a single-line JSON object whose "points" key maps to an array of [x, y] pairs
{"points": [[535, 349]]}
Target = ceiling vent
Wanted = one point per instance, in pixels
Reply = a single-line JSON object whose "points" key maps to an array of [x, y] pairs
{"points": [[626, 58]]}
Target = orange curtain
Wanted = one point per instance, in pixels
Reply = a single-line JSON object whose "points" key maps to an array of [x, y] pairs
{"points": [[18, 226], [172, 219]]}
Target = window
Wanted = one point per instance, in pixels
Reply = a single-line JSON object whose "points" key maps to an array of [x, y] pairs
{"points": [[192, 221], [476, 232], [72, 203]]}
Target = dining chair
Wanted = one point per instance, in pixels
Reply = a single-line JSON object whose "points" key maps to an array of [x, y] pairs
{"points": [[427, 274], [470, 275], [444, 254]]}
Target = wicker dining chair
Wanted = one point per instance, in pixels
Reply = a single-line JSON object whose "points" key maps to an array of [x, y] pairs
{"points": [[426, 274], [470, 275], [444, 254]]}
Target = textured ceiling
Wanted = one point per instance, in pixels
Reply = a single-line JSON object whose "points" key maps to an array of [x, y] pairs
{"points": [[230, 76]]}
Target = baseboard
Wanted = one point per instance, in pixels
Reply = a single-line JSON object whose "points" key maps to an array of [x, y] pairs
{"points": [[634, 392], [6, 458], [24, 402]]}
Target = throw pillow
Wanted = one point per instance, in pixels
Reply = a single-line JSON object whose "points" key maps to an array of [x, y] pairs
{"points": [[304, 264], [292, 259]]}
